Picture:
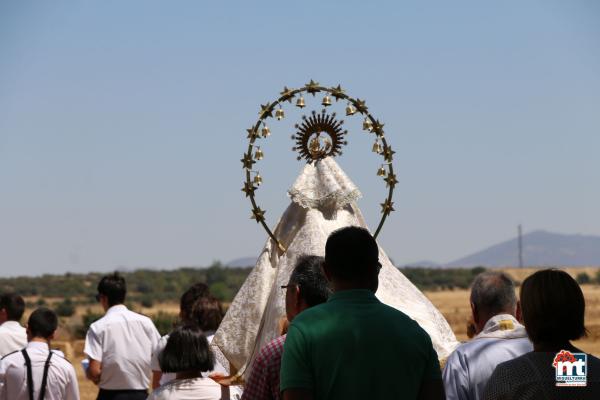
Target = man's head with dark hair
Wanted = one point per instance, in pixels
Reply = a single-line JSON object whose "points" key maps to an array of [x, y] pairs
{"points": [[553, 307], [186, 351], [12, 307], [113, 288], [307, 286], [492, 293], [207, 313], [190, 297], [42, 323], [352, 259]]}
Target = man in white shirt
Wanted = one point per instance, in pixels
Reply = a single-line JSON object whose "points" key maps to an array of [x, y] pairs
{"points": [[500, 337], [36, 372], [12, 334], [119, 345]]}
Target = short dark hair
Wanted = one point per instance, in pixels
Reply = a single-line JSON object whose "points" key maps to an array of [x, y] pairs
{"points": [[349, 252], [186, 350], [191, 296], [14, 306], [113, 286], [553, 307], [207, 313], [308, 275], [42, 323], [494, 292]]}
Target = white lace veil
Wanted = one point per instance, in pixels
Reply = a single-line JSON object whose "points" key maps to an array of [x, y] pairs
{"points": [[323, 200]]}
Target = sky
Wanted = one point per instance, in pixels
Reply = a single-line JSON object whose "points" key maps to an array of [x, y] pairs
{"points": [[122, 124]]}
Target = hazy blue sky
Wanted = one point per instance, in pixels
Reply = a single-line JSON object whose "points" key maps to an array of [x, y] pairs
{"points": [[122, 123]]}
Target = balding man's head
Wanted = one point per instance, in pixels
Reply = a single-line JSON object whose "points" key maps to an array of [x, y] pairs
{"points": [[492, 293]]}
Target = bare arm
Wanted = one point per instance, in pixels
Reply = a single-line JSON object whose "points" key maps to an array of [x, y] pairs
{"points": [[94, 371], [297, 394], [432, 390], [156, 375]]}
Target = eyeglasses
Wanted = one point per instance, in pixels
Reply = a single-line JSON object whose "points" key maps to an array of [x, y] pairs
{"points": [[98, 297], [289, 285]]}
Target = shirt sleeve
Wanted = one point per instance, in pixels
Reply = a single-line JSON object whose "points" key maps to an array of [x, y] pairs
{"points": [[2, 381], [257, 386], [456, 382], [72, 389], [93, 345], [432, 368], [160, 346], [296, 371]]}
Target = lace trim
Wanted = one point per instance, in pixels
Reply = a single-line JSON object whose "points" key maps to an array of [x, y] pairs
{"points": [[339, 199]]}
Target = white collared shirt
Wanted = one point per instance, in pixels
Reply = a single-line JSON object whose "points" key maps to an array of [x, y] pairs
{"points": [[122, 341], [62, 380], [470, 366], [12, 337]]}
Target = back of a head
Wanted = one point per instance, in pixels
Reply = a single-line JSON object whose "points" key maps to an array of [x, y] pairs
{"points": [[14, 306], [114, 288], [308, 275], [186, 350], [553, 307], [349, 252], [493, 293], [191, 296], [42, 323], [207, 313]]}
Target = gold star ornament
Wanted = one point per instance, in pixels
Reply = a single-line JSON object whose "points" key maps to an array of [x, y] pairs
{"points": [[388, 154], [312, 87], [266, 111], [249, 189], [391, 180], [338, 92], [247, 161], [287, 94], [258, 214], [387, 207]]}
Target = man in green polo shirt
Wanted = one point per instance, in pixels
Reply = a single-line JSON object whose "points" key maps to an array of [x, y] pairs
{"points": [[353, 346]]}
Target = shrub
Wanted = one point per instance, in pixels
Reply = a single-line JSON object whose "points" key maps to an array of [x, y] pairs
{"points": [[583, 278], [164, 322], [65, 308]]}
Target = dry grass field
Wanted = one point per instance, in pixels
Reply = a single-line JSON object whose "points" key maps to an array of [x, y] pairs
{"points": [[454, 305]]}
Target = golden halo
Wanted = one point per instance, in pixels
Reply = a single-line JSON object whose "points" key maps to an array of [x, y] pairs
{"points": [[317, 137]]}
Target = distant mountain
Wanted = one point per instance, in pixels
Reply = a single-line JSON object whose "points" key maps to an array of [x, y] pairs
{"points": [[540, 248], [423, 264], [242, 262]]}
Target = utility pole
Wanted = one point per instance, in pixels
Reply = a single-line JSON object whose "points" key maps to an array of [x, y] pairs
{"points": [[520, 246]]}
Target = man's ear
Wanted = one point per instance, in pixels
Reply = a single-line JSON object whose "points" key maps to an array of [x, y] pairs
{"points": [[51, 337], [326, 272], [475, 313], [519, 312]]}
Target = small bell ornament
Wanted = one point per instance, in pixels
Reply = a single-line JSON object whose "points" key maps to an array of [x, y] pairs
{"points": [[265, 131], [258, 154], [367, 125], [381, 171], [376, 147], [350, 110], [257, 179], [300, 102], [326, 101], [279, 114]]}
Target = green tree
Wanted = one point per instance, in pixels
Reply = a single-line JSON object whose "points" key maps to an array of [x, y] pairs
{"points": [[65, 308], [583, 278]]}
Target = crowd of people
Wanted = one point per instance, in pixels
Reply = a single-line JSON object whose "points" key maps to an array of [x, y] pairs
{"points": [[341, 342]]}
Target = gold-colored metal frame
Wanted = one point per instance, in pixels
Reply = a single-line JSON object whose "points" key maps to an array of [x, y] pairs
{"points": [[371, 124]]}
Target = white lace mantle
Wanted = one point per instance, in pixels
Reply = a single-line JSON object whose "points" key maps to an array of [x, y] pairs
{"points": [[323, 184]]}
